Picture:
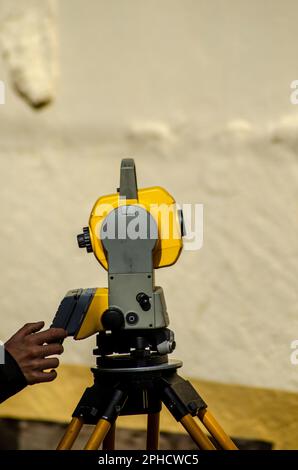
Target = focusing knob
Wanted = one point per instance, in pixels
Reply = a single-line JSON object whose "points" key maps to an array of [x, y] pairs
{"points": [[112, 319], [84, 240], [144, 301]]}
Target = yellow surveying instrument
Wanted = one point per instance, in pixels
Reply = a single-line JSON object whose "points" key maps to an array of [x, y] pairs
{"points": [[132, 233]]}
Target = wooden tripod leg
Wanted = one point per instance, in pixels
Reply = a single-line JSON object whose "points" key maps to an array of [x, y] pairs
{"points": [[196, 433], [108, 418], [109, 440], [216, 430], [71, 434], [152, 431], [101, 430]]}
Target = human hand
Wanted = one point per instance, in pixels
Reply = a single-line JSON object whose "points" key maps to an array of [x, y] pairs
{"points": [[31, 347]]}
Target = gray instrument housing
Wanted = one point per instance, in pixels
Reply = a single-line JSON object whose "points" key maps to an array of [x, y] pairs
{"points": [[129, 234]]}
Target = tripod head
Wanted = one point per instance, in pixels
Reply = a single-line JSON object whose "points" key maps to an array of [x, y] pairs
{"points": [[131, 233]]}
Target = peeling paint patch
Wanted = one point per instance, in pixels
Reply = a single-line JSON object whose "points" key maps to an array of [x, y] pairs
{"points": [[28, 37], [150, 131]]}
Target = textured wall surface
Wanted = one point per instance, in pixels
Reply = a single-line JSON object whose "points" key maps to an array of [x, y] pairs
{"points": [[198, 93]]}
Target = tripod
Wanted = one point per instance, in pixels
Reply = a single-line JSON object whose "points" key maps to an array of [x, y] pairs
{"points": [[134, 384]]}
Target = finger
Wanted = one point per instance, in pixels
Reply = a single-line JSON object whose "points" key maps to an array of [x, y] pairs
{"points": [[31, 328], [49, 350], [43, 364], [51, 335], [40, 377], [39, 352]]}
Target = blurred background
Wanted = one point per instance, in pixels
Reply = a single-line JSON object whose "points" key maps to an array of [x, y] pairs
{"points": [[198, 93]]}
